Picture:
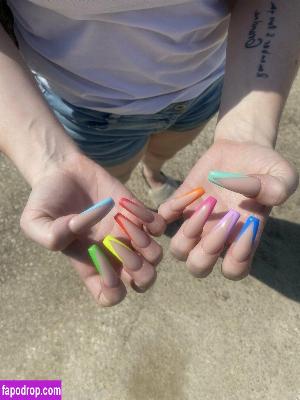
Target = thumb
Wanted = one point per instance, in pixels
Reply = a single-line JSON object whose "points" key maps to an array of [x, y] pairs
{"points": [[53, 234], [269, 189], [57, 234]]}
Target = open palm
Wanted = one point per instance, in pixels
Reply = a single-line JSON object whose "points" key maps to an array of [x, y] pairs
{"points": [[67, 191], [278, 180]]}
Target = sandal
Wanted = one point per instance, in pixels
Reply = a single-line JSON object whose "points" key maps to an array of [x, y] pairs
{"points": [[160, 195]]}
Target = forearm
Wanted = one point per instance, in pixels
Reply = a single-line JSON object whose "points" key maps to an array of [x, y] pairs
{"points": [[262, 61], [30, 134]]}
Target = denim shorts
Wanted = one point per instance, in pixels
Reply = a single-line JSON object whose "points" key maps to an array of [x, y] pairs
{"points": [[112, 139]]}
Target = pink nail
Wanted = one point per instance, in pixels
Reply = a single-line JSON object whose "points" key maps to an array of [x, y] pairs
{"points": [[195, 224]]}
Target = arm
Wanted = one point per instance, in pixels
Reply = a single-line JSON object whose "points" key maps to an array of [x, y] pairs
{"points": [[262, 61], [65, 183], [30, 134]]}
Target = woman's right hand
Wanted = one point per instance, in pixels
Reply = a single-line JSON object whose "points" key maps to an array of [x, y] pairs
{"points": [[51, 219]]}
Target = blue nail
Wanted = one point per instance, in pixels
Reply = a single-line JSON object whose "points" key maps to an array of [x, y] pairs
{"points": [[251, 221], [104, 202]]}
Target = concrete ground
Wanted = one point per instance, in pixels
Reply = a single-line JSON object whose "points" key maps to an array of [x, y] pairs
{"points": [[185, 339]]}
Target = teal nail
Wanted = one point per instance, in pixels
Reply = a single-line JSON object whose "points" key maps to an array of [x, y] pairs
{"points": [[215, 176], [104, 202]]}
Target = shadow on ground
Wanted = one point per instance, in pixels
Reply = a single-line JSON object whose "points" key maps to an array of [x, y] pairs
{"points": [[277, 261]]}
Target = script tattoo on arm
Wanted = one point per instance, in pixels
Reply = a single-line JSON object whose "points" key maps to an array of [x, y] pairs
{"points": [[262, 42]]}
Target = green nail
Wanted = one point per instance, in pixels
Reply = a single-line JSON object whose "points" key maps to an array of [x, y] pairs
{"points": [[93, 250], [214, 176]]}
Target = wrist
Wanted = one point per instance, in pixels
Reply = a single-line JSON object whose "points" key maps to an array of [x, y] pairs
{"points": [[56, 153], [49, 162], [254, 118], [245, 130], [40, 149]]}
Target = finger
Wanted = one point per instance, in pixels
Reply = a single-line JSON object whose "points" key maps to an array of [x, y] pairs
{"points": [[203, 257], [140, 273], [154, 223], [140, 240], [269, 190], [53, 234], [133, 232], [144, 278], [153, 253], [157, 227], [129, 258], [172, 209], [276, 190], [137, 209], [237, 261], [247, 185], [194, 226], [111, 290], [190, 232], [91, 216], [57, 234]]}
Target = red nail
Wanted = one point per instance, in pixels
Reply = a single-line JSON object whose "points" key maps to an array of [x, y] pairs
{"points": [[137, 209], [135, 234]]}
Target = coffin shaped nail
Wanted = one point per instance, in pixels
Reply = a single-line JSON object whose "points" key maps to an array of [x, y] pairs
{"points": [[195, 224], [123, 253], [237, 182], [105, 202], [91, 216], [242, 246], [139, 237], [215, 240], [136, 209], [182, 201], [103, 266]]}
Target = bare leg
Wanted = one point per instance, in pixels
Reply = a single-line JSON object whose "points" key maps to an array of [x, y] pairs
{"points": [[124, 170], [161, 147]]}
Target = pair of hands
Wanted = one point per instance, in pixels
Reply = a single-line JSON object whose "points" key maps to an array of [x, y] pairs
{"points": [[70, 187]]}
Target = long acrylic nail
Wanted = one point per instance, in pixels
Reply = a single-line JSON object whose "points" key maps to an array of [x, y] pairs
{"points": [[242, 246], [91, 216], [105, 202], [195, 224], [123, 253], [182, 201], [102, 265], [136, 209], [139, 237], [237, 182], [215, 240]]}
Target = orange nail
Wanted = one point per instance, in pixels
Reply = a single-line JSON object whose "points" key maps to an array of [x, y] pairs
{"points": [[182, 201]]}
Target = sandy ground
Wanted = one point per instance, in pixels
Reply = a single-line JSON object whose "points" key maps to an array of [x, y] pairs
{"points": [[185, 339]]}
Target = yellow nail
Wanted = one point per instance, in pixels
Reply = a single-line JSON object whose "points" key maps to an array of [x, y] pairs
{"points": [[107, 243]]}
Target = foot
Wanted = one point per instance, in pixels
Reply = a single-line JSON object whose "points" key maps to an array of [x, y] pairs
{"points": [[161, 187], [155, 180]]}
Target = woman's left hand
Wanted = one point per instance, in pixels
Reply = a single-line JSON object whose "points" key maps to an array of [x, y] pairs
{"points": [[266, 179]]}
